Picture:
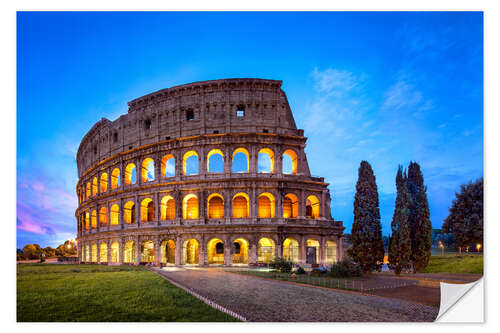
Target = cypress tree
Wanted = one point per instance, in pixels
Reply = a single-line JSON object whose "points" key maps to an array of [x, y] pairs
{"points": [[400, 242], [420, 223], [366, 236]]}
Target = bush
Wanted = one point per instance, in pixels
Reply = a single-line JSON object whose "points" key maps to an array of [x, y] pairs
{"points": [[282, 265], [300, 270], [319, 272], [346, 268]]}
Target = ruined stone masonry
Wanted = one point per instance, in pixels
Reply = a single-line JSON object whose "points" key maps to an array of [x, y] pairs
{"points": [[206, 173]]}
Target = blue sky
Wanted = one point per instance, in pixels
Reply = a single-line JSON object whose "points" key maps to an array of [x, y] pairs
{"points": [[383, 87]]}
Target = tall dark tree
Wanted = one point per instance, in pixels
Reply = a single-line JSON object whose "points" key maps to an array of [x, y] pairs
{"points": [[465, 221], [400, 242], [366, 236], [420, 223]]}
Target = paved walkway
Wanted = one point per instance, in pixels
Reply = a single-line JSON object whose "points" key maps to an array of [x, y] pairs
{"points": [[260, 299]]}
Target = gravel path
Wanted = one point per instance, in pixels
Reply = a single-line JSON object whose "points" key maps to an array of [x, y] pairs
{"points": [[260, 299]]}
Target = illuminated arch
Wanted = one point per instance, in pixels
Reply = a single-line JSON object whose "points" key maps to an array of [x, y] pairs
{"points": [[87, 192], [115, 178], [215, 206], [130, 174], [129, 212], [94, 252], [241, 157], [94, 219], [115, 252], [192, 164], [290, 206], [87, 220], [265, 250], [147, 251], [331, 252], [104, 183], [103, 216], [87, 253], [240, 251], [115, 215], [312, 207], [103, 253], [167, 166], [215, 249], [312, 243], [129, 252], [147, 210], [241, 207], [290, 163], [265, 164], [266, 205], [167, 208], [190, 252], [94, 186], [148, 170], [291, 250], [214, 157], [190, 207], [167, 252]]}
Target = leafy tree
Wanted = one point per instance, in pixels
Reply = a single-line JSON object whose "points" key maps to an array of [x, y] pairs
{"points": [[465, 221], [420, 223], [32, 251], [400, 241], [49, 251], [366, 235], [66, 249]]}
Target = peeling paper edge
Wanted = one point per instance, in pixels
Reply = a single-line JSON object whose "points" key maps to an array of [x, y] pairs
{"points": [[462, 303]]}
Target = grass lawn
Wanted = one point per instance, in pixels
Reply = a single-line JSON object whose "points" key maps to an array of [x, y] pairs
{"points": [[470, 263], [55, 292]]}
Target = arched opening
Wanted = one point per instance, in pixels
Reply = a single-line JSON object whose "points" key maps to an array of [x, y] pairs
{"points": [[331, 252], [167, 208], [215, 161], [167, 252], [266, 205], [87, 193], [265, 250], [168, 166], [240, 251], [115, 178], [312, 251], [215, 206], [115, 215], [94, 186], [312, 207], [129, 212], [87, 220], [147, 251], [129, 252], [148, 170], [265, 160], [190, 252], [215, 251], [289, 162], [94, 252], [87, 253], [94, 219], [147, 210], [130, 174], [241, 208], [103, 216], [291, 250], [190, 163], [115, 252], [290, 206], [104, 182], [190, 207], [241, 160], [103, 252]]}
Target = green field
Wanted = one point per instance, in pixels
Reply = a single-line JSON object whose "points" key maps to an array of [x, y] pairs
{"points": [[471, 263], [52, 292]]}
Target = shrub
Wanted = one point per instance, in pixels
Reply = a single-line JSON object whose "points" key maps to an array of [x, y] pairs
{"points": [[282, 265], [318, 272], [300, 270], [346, 268]]}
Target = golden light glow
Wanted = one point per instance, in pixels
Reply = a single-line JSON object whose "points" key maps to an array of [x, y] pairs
{"points": [[104, 182], [87, 220], [312, 207], [167, 208], [290, 206], [247, 156], [478, 247], [87, 194], [103, 216], [103, 252], [115, 214], [215, 206], [185, 158], [212, 153], [266, 205], [164, 162], [147, 210], [115, 252], [190, 207], [129, 252], [115, 178], [331, 252], [240, 251], [167, 252], [241, 208], [293, 157], [130, 170], [314, 243], [190, 252], [269, 153], [94, 252], [87, 253], [94, 219], [129, 212], [265, 250], [291, 250], [215, 249], [94, 186], [146, 165]]}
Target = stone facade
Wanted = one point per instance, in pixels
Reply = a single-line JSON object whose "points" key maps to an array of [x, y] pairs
{"points": [[269, 214]]}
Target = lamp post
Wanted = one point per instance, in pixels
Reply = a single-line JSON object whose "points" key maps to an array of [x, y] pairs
{"points": [[441, 245], [478, 247]]}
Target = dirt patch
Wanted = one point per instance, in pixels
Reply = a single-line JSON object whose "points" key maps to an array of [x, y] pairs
{"points": [[412, 293]]}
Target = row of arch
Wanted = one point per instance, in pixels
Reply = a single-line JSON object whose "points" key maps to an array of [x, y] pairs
{"points": [[216, 252], [266, 208], [215, 164]]}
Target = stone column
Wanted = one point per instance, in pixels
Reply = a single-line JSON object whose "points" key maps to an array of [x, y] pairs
{"points": [[253, 204], [178, 164], [322, 205], [278, 161], [108, 243], [278, 248], [279, 204], [98, 244], [202, 214], [121, 213], [228, 258], [302, 250], [302, 205], [157, 161], [253, 159], [340, 248], [228, 167], [98, 217], [138, 172], [322, 251], [252, 251], [157, 204], [178, 251], [122, 250], [202, 251], [137, 211], [157, 245], [137, 245]]}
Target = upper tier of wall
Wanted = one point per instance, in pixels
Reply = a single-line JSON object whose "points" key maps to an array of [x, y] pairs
{"points": [[205, 107]]}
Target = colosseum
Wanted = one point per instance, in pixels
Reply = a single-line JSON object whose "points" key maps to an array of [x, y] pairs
{"points": [[206, 173]]}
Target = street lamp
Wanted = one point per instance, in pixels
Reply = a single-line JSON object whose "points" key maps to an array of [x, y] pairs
{"points": [[441, 245], [478, 247]]}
